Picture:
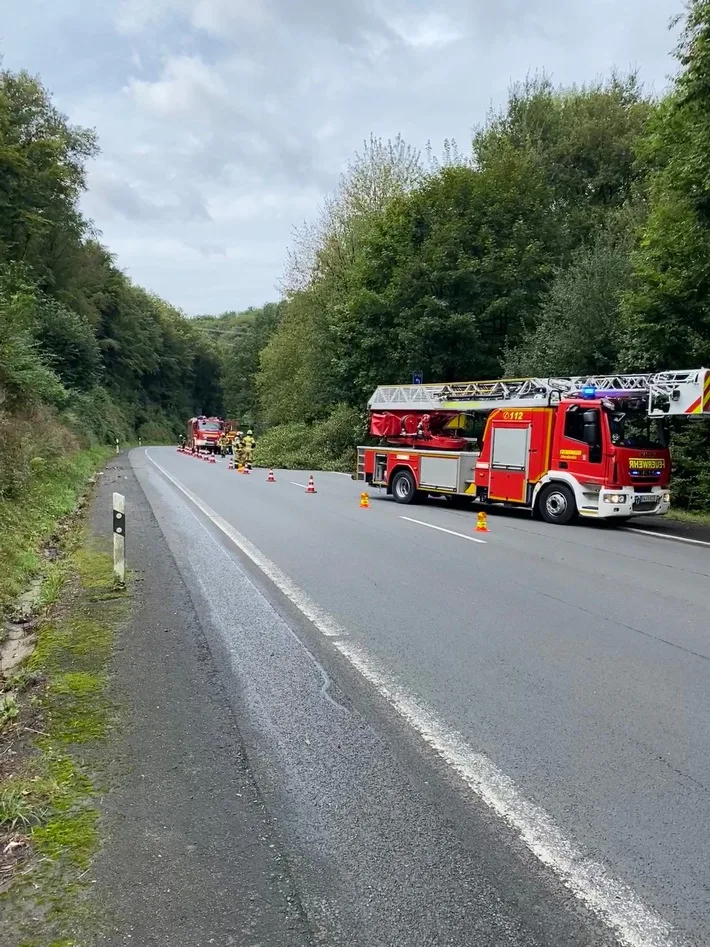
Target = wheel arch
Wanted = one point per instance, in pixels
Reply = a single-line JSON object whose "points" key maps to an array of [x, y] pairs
{"points": [[396, 469], [559, 476]]}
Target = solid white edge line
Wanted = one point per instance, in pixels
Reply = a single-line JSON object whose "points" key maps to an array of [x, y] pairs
{"points": [[293, 483], [472, 539], [677, 539], [611, 900], [325, 623]]}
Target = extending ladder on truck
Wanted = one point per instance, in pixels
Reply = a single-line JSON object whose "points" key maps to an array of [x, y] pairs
{"points": [[685, 392]]}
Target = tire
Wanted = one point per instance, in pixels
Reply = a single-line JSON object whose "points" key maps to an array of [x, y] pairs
{"points": [[404, 488], [557, 504]]}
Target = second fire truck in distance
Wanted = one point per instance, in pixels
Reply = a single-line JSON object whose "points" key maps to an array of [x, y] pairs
{"points": [[203, 434], [589, 446]]}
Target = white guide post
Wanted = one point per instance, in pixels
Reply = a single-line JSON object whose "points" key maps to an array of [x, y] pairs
{"points": [[119, 537]]}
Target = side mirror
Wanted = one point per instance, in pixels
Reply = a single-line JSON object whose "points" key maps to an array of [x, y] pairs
{"points": [[590, 430]]}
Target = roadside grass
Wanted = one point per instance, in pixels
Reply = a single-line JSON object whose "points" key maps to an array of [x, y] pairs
{"points": [[49, 829], [33, 516], [690, 516]]}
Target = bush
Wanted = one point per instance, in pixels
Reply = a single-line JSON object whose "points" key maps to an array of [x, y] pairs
{"points": [[25, 379], [96, 418], [28, 445], [325, 445], [155, 432], [690, 448]]}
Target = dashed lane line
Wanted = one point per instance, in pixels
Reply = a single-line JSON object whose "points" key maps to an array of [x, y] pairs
{"points": [[441, 529]]}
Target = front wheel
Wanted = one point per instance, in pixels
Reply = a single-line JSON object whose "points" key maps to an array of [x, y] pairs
{"points": [[404, 489], [557, 504]]}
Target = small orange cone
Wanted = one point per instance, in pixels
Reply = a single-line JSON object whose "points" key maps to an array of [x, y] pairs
{"points": [[246, 470], [364, 501], [271, 478], [311, 488], [481, 523]]}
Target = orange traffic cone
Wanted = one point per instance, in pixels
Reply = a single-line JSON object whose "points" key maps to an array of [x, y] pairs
{"points": [[311, 488], [271, 478], [246, 469], [481, 522], [364, 501]]}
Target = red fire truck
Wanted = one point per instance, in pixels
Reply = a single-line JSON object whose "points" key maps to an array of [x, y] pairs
{"points": [[204, 433], [590, 446]]}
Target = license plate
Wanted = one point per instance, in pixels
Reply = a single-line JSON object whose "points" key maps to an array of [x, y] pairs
{"points": [[645, 500]]}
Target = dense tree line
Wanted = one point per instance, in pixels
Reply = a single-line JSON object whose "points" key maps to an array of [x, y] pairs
{"points": [[85, 355], [573, 237]]}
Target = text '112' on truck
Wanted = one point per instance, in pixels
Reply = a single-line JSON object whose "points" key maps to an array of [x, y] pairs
{"points": [[593, 446]]}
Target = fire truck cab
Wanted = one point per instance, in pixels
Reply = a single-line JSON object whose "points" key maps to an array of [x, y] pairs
{"points": [[593, 447], [203, 434]]}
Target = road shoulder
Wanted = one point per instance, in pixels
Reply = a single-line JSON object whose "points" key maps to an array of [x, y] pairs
{"points": [[190, 856]]}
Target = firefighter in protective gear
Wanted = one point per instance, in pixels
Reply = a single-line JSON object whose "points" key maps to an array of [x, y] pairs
{"points": [[238, 448], [249, 443], [222, 443]]}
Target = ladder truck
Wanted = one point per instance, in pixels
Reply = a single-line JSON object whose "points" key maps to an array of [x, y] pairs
{"points": [[593, 446]]}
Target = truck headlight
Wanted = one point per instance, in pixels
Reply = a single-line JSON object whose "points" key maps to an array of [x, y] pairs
{"points": [[615, 498], [666, 497]]}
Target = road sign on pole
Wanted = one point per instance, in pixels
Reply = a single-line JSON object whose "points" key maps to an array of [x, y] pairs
{"points": [[417, 378]]}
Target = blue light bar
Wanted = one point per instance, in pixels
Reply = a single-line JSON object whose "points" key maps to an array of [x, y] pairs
{"points": [[589, 391]]}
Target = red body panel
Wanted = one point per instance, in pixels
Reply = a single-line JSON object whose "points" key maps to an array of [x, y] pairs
{"points": [[544, 440]]}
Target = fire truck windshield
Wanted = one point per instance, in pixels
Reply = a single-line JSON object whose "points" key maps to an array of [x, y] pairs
{"points": [[635, 429], [209, 425]]}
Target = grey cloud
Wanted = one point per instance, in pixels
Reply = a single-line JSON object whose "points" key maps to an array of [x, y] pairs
{"points": [[125, 199], [223, 122]]}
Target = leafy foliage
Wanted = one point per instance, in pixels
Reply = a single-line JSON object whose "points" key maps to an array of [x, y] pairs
{"points": [[76, 336]]}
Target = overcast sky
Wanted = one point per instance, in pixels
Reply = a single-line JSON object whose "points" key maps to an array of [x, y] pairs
{"points": [[222, 123]]}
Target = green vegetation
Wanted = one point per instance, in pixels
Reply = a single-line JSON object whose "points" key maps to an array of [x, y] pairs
{"points": [[573, 236], [85, 356], [47, 805], [44, 498]]}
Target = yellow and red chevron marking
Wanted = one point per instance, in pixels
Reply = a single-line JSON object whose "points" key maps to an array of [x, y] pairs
{"points": [[701, 405]]}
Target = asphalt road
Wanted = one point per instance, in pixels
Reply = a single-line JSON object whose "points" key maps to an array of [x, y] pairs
{"points": [[460, 742]]}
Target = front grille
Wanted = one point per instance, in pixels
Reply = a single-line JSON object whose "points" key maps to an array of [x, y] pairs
{"points": [[644, 504]]}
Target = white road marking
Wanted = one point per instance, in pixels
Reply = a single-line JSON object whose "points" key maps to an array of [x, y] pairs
{"points": [[473, 539], [303, 602], [678, 539], [634, 924], [299, 485], [614, 902]]}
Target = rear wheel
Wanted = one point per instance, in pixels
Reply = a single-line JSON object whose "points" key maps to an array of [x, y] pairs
{"points": [[557, 504], [404, 489]]}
